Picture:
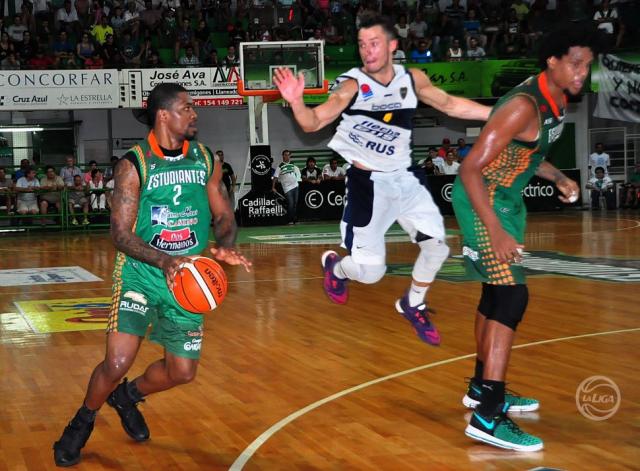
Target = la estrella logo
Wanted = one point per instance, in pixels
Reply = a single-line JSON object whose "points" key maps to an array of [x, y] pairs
{"points": [[366, 91]]}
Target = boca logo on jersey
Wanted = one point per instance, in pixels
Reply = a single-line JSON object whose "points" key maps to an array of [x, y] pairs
{"points": [[365, 89], [174, 242]]}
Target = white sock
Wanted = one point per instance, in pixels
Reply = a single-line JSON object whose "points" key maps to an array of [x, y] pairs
{"points": [[338, 271], [417, 294]]}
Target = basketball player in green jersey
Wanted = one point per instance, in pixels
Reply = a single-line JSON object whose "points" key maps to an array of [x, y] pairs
{"points": [[167, 189], [489, 207]]}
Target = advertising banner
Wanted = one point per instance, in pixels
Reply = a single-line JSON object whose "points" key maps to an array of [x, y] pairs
{"points": [[58, 89], [619, 89], [321, 202], [208, 86], [262, 208]]}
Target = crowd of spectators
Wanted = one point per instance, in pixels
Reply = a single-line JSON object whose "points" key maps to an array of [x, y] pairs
{"points": [[120, 33], [32, 190], [447, 159]]}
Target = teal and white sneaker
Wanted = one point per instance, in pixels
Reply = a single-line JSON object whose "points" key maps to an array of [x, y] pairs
{"points": [[502, 432], [516, 402]]}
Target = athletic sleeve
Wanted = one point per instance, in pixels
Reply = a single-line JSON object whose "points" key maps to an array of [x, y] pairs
{"points": [[131, 157]]}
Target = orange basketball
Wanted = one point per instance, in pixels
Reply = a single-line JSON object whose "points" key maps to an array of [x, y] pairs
{"points": [[200, 286]]}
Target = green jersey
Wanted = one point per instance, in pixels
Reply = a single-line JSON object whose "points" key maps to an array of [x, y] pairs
{"points": [[173, 211], [505, 177], [508, 174]]}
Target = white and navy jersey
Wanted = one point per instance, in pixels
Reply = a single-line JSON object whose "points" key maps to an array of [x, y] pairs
{"points": [[376, 127]]}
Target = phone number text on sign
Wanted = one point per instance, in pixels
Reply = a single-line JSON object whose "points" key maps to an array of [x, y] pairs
{"points": [[218, 101]]}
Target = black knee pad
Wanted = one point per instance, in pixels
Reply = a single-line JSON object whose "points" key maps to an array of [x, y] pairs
{"points": [[510, 303]]}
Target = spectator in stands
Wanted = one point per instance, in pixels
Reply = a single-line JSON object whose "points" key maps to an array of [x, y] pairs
{"points": [[63, 50], [27, 202], [11, 62], [203, 37], [151, 18], [331, 171], [473, 29], [212, 59], [231, 59], [95, 61], [601, 186], [132, 19], [77, 197], [632, 190], [450, 166], [606, 17], [417, 29], [310, 173], [399, 57], [41, 9], [111, 52], [84, 48], [54, 184], [185, 37], [190, 58], [437, 159], [148, 52], [446, 145], [288, 175], [463, 149], [332, 33], [16, 29], [87, 175], [69, 172], [228, 176], [26, 49], [514, 39], [98, 11], [422, 55], [98, 200], [492, 27], [6, 187], [537, 26], [430, 168], [453, 20], [101, 30], [402, 32], [118, 22], [130, 49], [44, 34], [475, 52], [67, 19], [455, 52], [521, 9], [599, 158], [6, 46], [41, 60], [22, 170]]}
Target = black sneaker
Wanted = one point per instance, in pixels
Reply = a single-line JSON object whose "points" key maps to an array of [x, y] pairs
{"points": [[125, 405], [66, 451]]}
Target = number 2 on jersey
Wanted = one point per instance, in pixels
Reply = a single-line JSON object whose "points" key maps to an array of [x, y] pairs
{"points": [[178, 191]]}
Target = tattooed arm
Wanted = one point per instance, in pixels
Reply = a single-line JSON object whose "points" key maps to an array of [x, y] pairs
{"points": [[124, 212], [224, 221]]}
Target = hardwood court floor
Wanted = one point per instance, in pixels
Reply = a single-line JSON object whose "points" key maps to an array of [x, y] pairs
{"points": [[278, 345]]}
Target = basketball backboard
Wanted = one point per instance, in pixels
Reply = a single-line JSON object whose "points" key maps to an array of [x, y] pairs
{"points": [[258, 61]]}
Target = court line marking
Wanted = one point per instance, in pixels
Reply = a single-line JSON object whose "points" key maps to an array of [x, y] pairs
{"points": [[251, 449]]}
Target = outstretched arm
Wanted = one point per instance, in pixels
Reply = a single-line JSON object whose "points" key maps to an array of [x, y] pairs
{"points": [[312, 119], [451, 105]]}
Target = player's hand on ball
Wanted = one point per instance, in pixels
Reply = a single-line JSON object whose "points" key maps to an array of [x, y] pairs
{"points": [[231, 257], [290, 87], [171, 266], [505, 247], [569, 189]]}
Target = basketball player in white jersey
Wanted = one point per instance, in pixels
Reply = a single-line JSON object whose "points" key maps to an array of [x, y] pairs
{"points": [[377, 102]]}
